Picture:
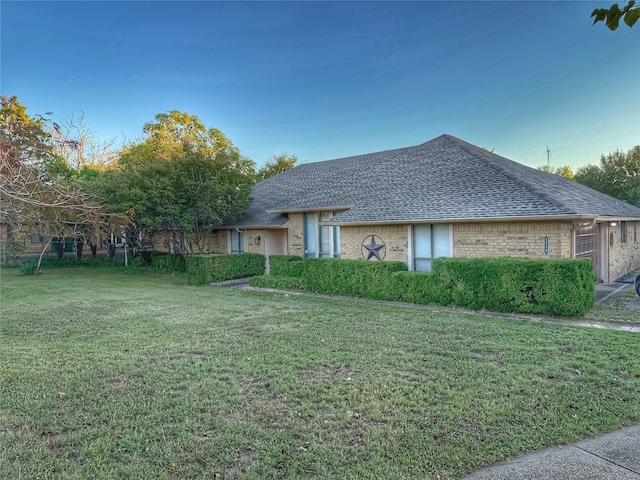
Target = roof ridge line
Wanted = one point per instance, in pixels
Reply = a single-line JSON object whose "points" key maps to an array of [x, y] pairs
{"points": [[532, 188]]}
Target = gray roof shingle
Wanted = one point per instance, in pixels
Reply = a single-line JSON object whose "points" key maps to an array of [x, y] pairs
{"points": [[445, 178]]}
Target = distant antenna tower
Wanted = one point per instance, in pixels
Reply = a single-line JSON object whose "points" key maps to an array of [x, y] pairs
{"points": [[548, 152]]}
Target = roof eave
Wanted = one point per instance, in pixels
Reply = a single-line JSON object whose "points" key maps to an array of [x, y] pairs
{"points": [[329, 208], [527, 218]]}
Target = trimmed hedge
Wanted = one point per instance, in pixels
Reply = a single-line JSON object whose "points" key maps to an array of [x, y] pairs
{"points": [[351, 277], [516, 285], [285, 266], [279, 283], [203, 269], [165, 262]]}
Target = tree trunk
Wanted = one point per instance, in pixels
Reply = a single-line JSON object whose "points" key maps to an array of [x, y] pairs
{"points": [[41, 255], [59, 245]]}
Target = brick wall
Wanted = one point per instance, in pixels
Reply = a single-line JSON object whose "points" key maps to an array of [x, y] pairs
{"points": [[296, 234], [623, 257], [485, 239], [251, 245], [395, 239], [513, 239]]}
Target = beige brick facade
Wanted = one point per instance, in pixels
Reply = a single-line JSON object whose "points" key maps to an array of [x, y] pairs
{"points": [[252, 245], [396, 240], [296, 234], [481, 239], [623, 257], [513, 239]]}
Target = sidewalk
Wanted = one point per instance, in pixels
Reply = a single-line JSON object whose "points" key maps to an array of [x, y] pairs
{"points": [[614, 455]]}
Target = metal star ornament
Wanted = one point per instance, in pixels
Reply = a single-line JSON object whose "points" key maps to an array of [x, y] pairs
{"points": [[373, 247]]}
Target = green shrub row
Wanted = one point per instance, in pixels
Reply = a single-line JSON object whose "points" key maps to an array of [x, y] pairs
{"points": [[517, 285], [203, 269], [164, 262], [279, 283], [350, 277], [285, 266]]}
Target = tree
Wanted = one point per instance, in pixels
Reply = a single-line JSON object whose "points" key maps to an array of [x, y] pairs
{"points": [[77, 146], [277, 164], [564, 171], [29, 199], [617, 175], [183, 178], [611, 16]]}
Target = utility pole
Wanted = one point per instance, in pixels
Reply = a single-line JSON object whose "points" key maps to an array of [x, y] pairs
{"points": [[548, 164]]}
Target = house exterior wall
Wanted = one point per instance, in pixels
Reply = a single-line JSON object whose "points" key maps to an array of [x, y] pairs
{"points": [[251, 245], [396, 240], [487, 239], [296, 234], [623, 257], [513, 239], [481, 239]]}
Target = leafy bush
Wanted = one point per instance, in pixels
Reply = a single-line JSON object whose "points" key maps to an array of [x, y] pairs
{"points": [[550, 287], [518, 285], [164, 262], [279, 283], [285, 266], [417, 287], [203, 269], [351, 277], [28, 267]]}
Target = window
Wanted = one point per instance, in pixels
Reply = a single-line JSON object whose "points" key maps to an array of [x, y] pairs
{"points": [[623, 232], [320, 240], [237, 242], [429, 242], [39, 238]]}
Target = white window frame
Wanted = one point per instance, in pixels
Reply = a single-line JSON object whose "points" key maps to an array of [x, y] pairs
{"points": [[334, 236], [411, 244], [241, 242]]}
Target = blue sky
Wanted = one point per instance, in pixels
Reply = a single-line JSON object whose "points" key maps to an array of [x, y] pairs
{"points": [[324, 80]]}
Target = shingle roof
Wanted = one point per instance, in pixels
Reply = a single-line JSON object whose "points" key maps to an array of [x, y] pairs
{"points": [[445, 178]]}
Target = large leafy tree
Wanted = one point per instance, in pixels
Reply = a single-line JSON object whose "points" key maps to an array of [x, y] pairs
{"points": [[182, 178], [30, 198], [618, 175]]}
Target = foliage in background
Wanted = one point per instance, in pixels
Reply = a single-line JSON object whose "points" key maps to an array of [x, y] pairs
{"points": [[611, 16], [564, 171], [183, 178], [31, 199], [618, 175], [277, 164]]}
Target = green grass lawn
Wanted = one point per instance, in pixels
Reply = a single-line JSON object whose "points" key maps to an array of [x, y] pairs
{"points": [[106, 375]]}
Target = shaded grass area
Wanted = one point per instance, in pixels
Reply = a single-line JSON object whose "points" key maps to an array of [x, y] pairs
{"points": [[104, 375]]}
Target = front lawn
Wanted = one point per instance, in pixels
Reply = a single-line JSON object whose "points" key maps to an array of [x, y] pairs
{"points": [[107, 375]]}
